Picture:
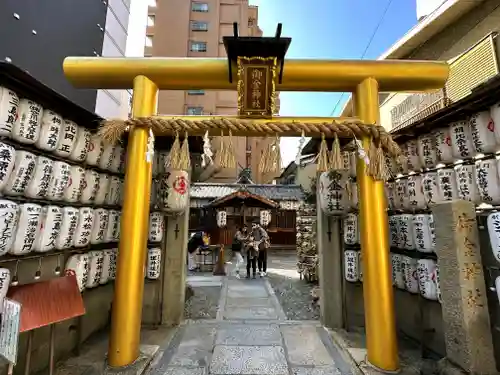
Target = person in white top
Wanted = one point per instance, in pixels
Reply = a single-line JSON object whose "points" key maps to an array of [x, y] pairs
{"points": [[237, 246]]}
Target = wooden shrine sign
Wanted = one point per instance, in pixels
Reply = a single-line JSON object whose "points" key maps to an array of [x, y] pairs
{"points": [[256, 86]]}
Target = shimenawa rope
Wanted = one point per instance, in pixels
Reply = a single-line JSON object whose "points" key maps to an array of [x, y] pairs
{"points": [[112, 130]]}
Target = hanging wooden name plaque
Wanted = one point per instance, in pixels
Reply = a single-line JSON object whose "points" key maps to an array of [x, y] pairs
{"points": [[256, 86]]}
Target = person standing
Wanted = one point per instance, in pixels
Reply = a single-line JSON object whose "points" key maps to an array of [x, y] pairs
{"points": [[237, 246], [260, 235], [251, 253]]}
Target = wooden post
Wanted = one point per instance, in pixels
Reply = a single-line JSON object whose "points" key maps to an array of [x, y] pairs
{"points": [[220, 266]]}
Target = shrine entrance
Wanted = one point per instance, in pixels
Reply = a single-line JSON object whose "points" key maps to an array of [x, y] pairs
{"points": [[257, 69]]}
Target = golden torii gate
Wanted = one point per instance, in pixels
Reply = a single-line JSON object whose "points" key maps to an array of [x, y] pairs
{"points": [[365, 79]]}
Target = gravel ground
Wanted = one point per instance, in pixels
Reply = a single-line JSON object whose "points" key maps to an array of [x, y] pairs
{"points": [[293, 293], [203, 304]]}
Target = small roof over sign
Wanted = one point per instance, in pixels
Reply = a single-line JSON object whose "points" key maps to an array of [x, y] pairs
{"points": [[243, 197], [211, 190]]}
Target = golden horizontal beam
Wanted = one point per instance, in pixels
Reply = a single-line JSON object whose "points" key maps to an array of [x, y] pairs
{"points": [[283, 126], [212, 73]]}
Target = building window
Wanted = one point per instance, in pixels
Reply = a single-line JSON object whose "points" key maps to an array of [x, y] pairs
{"points": [[151, 20], [196, 92], [199, 7], [149, 41], [152, 3], [251, 22], [199, 26], [198, 46], [194, 111]]}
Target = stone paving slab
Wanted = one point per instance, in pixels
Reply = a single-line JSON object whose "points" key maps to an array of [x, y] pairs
{"points": [[249, 360], [200, 337], [173, 370], [200, 281], [191, 356], [251, 313], [185, 371], [249, 335], [249, 302], [329, 370], [196, 278], [255, 292], [305, 347]]}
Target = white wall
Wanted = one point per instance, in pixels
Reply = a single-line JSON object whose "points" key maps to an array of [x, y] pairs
{"points": [[114, 103], [426, 7]]}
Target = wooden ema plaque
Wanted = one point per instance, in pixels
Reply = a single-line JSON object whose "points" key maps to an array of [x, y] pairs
{"points": [[48, 302], [256, 87]]}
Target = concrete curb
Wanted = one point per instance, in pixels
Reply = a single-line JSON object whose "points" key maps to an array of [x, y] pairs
{"points": [[222, 300], [342, 346], [276, 302]]}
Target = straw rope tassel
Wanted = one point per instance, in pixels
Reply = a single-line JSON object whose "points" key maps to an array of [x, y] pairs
{"points": [[273, 164], [323, 155], [219, 155], [263, 160], [112, 132], [377, 167], [230, 152], [336, 162], [277, 158], [184, 157], [172, 161]]}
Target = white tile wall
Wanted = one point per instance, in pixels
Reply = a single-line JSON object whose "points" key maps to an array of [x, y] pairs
{"points": [[108, 106], [114, 103], [121, 11], [109, 47], [115, 30]]}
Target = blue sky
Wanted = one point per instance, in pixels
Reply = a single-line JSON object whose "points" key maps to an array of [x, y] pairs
{"points": [[322, 29], [331, 29]]}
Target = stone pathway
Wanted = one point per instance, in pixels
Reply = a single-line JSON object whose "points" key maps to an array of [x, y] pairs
{"points": [[250, 336]]}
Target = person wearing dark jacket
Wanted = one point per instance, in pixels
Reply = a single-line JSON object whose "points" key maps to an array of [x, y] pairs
{"points": [[195, 242], [260, 235]]}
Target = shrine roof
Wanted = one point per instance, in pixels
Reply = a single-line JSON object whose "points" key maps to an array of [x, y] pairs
{"points": [[207, 190], [240, 197]]}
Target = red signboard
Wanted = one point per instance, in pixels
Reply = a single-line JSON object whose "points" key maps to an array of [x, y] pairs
{"points": [[48, 302]]}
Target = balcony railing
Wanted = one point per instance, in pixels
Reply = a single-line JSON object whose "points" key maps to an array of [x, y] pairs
{"points": [[467, 71]]}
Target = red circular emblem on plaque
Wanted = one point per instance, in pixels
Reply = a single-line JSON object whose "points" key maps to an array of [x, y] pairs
{"points": [[180, 185]]}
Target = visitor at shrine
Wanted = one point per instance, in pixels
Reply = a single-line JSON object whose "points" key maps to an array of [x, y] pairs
{"points": [[197, 241], [251, 254], [239, 239], [260, 235]]}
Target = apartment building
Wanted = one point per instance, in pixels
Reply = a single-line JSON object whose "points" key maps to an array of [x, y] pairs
{"points": [[180, 28], [38, 35]]}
